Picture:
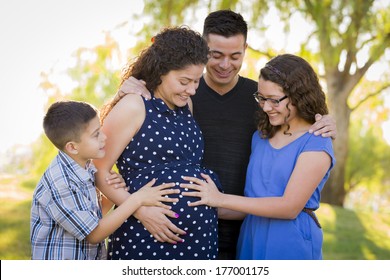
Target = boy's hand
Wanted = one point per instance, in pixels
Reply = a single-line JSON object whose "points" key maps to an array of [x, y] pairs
{"points": [[155, 196], [133, 86], [116, 180]]}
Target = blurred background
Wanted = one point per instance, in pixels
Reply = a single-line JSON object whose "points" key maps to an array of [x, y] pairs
{"points": [[75, 49]]}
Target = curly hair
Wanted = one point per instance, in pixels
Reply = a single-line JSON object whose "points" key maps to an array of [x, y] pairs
{"points": [[300, 83], [174, 48]]}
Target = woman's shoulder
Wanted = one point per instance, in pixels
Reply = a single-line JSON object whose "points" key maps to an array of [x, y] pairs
{"points": [[131, 101], [129, 107]]}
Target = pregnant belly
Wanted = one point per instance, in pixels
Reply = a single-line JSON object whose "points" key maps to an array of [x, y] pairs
{"points": [[189, 217]]}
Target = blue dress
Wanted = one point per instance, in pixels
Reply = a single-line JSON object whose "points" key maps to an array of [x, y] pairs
{"points": [[168, 145], [268, 172]]}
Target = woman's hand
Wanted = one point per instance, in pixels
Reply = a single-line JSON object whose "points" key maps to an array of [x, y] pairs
{"points": [[155, 220], [155, 195], [205, 189]]}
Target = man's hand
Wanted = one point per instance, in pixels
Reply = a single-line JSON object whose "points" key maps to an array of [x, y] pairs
{"points": [[324, 126], [133, 86], [155, 220]]}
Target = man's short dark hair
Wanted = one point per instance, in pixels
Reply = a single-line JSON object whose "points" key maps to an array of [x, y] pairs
{"points": [[225, 23]]}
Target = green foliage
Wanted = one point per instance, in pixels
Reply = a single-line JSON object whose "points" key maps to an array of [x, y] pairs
{"points": [[44, 152], [29, 184], [369, 157], [369, 153], [160, 14], [94, 72], [367, 179]]}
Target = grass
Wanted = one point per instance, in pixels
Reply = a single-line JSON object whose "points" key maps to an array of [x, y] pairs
{"points": [[348, 235], [354, 235], [15, 204]]}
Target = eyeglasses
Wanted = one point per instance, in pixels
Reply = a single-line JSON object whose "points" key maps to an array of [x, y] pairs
{"points": [[273, 102]]}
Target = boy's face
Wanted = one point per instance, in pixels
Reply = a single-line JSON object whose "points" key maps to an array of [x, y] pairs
{"points": [[91, 144]]}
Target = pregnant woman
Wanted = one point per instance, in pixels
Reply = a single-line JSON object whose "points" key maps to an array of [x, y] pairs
{"points": [[158, 138]]}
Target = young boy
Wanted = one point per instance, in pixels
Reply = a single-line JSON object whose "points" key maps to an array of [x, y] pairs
{"points": [[66, 214]]}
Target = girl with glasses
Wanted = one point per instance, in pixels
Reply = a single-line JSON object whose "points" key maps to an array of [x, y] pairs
{"points": [[288, 168]]}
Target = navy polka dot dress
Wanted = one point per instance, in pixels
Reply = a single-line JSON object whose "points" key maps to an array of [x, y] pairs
{"points": [[168, 145]]}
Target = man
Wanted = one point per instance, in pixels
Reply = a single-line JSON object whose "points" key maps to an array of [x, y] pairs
{"points": [[224, 108]]}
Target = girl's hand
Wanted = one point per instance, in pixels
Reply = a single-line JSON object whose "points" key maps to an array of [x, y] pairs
{"points": [[206, 190], [116, 180], [155, 195]]}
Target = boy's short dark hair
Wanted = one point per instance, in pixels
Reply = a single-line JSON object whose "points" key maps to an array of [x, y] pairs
{"points": [[66, 120], [225, 23]]}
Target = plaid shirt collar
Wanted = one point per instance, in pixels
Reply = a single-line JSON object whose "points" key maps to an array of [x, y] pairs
{"points": [[83, 174]]}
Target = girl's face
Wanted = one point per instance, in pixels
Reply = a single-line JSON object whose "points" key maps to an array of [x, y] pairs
{"points": [[179, 85], [274, 103]]}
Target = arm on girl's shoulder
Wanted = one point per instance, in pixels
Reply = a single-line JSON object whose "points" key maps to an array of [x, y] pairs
{"points": [[324, 126]]}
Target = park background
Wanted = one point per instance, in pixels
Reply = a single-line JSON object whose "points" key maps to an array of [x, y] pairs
{"points": [[75, 49]]}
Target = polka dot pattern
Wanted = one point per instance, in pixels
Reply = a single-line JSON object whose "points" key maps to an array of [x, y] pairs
{"points": [[169, 145]]}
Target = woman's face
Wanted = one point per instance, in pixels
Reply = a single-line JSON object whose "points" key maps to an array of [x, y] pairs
{"points": [[179, 85]]}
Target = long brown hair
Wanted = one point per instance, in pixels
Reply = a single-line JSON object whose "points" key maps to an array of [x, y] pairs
{"points": [[300, 83], [173, 48]]}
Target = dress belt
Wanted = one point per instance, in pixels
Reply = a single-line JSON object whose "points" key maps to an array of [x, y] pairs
{"points": [[310, 211]]}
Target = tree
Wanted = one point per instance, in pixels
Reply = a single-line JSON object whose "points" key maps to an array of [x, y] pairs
{"points": [[345, 30], [349, 37]]}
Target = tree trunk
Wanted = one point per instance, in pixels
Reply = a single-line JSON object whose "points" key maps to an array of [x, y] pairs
{"points": [[334, 191]]}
